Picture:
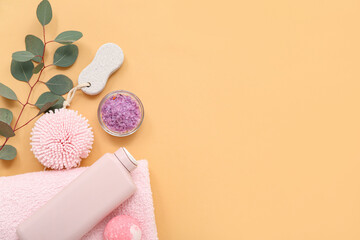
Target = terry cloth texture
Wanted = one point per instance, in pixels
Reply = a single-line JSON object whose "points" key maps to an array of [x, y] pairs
{"points": [[21, 195]]}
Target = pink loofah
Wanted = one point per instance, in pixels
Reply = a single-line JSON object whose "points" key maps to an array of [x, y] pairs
{"points": [[60, 139], [122, 227]]}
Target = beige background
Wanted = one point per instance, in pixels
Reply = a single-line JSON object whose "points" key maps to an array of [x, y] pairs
{"points": [[252, 123]]}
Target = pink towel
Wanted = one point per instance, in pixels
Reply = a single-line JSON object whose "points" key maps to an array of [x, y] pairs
{"points": [[21, 195]]}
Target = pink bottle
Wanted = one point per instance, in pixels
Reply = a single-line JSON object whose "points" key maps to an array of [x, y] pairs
{"points": [[84, 202]]}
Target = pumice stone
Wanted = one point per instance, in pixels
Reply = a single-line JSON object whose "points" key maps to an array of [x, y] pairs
{"points": [[107, 60]]}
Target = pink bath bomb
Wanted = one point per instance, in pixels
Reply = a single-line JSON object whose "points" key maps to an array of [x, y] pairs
{"points": [[122, 228]]}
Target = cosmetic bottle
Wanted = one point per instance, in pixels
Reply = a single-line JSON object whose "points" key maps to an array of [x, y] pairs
{"points": [[83, 203]]}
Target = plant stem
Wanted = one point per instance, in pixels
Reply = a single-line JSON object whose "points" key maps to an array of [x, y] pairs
{"points": [[4, 143], [27, 100], [20, 102], [25, 124], [22, 109], [44, 46]]}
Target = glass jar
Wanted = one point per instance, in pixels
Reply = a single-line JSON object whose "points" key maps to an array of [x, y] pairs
{"points": [[120, 113]]}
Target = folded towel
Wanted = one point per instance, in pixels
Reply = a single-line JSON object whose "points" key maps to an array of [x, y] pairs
{"points": [[21, 195]]}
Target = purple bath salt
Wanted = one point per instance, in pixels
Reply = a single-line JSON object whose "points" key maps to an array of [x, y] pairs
{"points": [[121, 113]]}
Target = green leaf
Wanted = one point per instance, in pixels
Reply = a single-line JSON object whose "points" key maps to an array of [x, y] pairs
{"points": [[22, 56], [35, 46], [38, 68], [22, 71], [6, 130], [6, 92], [60, 84], [47, 106], [6, 115], [49, 97], [44, 12], [68, 37], [65, 56], [8, 152]]}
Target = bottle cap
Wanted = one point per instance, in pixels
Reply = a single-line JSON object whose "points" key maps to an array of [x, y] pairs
{"points": [[126, 159]]}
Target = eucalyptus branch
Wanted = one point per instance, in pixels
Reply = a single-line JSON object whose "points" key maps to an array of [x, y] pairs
{"points": [[27, 100], [22, 69]]}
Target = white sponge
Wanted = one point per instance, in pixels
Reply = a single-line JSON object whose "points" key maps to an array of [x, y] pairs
{"points": [[107, 60]]}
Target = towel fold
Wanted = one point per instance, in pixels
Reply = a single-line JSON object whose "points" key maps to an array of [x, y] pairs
{"points": [[21, 195]]}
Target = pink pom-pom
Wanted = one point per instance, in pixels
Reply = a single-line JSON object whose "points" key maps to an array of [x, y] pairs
{"points": [[122, 228], [60, 139]]}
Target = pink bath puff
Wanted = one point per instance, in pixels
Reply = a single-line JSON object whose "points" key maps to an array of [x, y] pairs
{"points": [[60, 139], [122, 228]]}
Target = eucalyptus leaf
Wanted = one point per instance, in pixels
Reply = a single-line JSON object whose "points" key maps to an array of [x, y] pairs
{"points": [[6, 92], [60, 84], [6, 115], [65, 56], [44, 12], [6, 130], [49, 97], [68, 37], [34, 45], [38, 68], [22, 56], [47, 106], [22, 71], [8, 152]]}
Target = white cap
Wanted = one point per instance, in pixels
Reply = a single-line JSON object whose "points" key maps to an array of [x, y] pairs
{"points": [[126, 159]]}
